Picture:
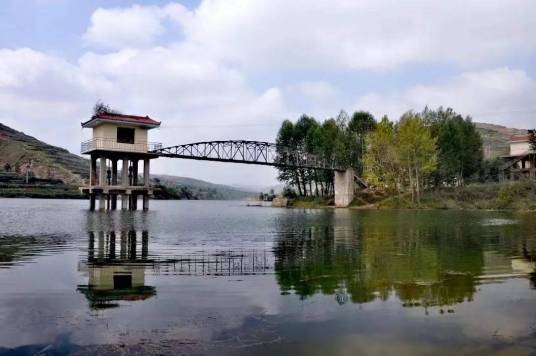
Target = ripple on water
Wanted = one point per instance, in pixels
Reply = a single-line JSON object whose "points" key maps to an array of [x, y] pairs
{"points": [[499, 222]]}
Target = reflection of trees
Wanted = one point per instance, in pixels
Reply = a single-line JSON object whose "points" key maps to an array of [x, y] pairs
{"points": [[420, 258], [16, 249]]}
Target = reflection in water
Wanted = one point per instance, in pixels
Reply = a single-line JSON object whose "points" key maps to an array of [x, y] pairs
{"points": [[18, 249], [421, 263], [311, 281], [117, 263], [116, 272]]}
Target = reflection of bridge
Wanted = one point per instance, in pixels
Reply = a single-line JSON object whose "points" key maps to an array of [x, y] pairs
{"points": [[267, 154]]}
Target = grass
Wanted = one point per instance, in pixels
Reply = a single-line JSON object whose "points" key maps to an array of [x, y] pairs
{"points": [[310, 202], [517, 195], [55, 192]]}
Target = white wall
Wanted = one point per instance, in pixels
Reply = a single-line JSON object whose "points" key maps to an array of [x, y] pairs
{"points": [[517, 148], [105, 138]]}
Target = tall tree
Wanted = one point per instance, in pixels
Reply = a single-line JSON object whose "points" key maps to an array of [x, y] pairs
{"points": [[459, 145], [285, 142], [417, 151], [359, 126], [381, 161], [532, 139]]}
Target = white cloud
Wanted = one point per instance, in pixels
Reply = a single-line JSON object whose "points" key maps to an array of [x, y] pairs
{"points": [[196, 98], [136, 26], [233, 69], [500, 95], [316, 90], [362, 34], [334, 34]]}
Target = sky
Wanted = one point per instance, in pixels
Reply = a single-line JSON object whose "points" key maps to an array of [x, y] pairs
{"points": [[234, 69]]}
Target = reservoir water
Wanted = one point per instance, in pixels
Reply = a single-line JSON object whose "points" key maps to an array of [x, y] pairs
{"points": [[218, 277]]}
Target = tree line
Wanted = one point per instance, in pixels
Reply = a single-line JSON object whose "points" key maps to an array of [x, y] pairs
{"points": [[340, 140], [429, 149]]}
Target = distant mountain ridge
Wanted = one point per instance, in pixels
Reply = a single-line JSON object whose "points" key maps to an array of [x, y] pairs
{"points": [[201, 189], [52, 165]]}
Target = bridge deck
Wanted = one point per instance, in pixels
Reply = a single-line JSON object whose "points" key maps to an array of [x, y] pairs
{"points": [[249, 152]]}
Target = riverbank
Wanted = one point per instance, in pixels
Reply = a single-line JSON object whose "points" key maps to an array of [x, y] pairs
{"points": [[41, 192], [519, 195]]}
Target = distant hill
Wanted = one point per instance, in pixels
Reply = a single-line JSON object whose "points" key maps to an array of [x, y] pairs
{"points": [[496, 138], [189, 188], [55, 172], [48, 162]]}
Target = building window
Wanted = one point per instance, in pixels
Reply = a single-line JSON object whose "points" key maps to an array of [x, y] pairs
{"points": [[125, 135], [122, 281]]}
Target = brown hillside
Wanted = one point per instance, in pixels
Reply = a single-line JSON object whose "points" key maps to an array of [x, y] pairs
{"points": [[48, 162], [495, 138]]}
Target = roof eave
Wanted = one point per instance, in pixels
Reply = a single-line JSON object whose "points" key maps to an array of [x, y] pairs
{"points": [[97, 121]]}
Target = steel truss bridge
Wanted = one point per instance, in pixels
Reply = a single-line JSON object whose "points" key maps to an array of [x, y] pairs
{"points": [[249, 152]]}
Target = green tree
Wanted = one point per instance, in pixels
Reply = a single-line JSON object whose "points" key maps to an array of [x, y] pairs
{"points": [[459, 144], [285, 142], [381, 161], [417, 152], [359, 126], [532, 139]]}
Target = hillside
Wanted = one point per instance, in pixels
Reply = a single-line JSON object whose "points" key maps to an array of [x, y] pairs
{"points": [[495, 138], [189, 188], [47, 161], [56, 173]]}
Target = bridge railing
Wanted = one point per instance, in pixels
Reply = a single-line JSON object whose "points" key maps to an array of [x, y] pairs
{"points": [[252, 152], [110, 144]]}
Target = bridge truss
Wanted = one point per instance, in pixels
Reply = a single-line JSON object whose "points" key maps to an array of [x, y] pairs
{"points": [[248, 152]]}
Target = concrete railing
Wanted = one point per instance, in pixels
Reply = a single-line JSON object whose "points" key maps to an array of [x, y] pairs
{"points": [[109, 144]]}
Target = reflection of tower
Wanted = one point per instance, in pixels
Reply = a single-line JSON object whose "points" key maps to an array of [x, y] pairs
{"points": [[116, 275]]}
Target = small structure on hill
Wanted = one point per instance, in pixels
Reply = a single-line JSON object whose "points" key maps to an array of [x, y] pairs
{"points": [[520, 162], [119, 139]]}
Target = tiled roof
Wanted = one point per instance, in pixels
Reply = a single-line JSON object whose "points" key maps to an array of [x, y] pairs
{"points": [[519, 138], [141, 120]]}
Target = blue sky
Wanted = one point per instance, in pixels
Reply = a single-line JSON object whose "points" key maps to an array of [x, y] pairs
{"points": [[233, 69]]}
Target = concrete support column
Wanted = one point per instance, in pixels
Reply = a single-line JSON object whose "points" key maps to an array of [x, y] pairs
{"points": [[102, 202], [113, 198], [146, 173], [93, 170], [124, 172], [133, 201], [146, 202], [102, 171], [344, 187], [91, 202], [135, 172], [124, 201], [114, 171]]}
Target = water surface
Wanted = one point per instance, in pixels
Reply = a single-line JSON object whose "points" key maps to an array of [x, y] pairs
{"points": [[206, 277]]}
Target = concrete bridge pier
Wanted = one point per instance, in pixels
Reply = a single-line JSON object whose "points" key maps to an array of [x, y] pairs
{"points": [[344, 187]]}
